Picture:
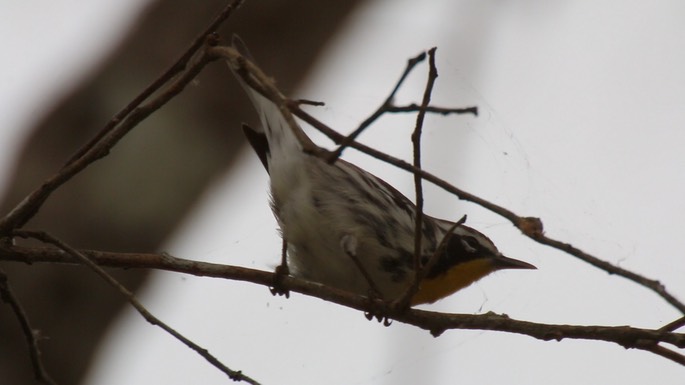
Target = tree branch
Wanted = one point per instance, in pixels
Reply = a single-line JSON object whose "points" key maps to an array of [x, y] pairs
{"points": [[435, 322]]}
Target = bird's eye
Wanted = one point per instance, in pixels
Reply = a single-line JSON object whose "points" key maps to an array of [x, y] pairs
{"points": [[472, 243]]}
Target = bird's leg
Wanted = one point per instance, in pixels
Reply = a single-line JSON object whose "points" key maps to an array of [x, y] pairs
{"points": [[281, 272]]}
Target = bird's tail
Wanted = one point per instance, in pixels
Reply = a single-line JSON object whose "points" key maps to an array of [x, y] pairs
{"points": [[283, 135]]}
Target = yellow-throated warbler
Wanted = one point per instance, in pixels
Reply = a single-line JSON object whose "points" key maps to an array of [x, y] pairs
{"points": [[347, 228]]}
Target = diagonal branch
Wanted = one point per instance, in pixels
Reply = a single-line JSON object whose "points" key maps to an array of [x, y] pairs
{"points": [[182, 72], [610, 268], [177, 67], [529, 226]]}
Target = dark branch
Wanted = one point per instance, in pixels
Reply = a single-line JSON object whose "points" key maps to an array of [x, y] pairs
{"points": [[610, 268], [188, 65], [433, 109], [8, 297], [675, 325], [436, 323]]}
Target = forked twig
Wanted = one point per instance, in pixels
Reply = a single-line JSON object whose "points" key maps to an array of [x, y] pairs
{"points": [[411, 63], [388, 107]]}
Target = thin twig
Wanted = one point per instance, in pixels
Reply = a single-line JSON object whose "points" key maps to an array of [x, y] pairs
{"points": [[405, 299], [387, 103], [416, 146], [130, 297], [610, 268], [39, 371], [308, 102], [423, 272], [667, 353], [433, 109], [435, 322], [673, 326]]}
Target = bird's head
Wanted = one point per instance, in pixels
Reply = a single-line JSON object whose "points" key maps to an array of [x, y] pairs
{"points": [[466, 256]]}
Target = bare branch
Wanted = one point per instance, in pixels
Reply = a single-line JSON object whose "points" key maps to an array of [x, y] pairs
{"points": [[435, 322], [610, 268], [182, 72], [130, 297]]}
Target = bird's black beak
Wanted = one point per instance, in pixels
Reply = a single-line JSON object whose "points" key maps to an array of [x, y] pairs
{"points": [[502, 262]]}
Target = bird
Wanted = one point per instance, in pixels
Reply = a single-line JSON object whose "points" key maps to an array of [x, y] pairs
{"points": [[347, 228]]}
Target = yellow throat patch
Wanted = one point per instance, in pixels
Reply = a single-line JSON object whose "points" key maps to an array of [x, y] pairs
{"points": [[456, 278]]}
